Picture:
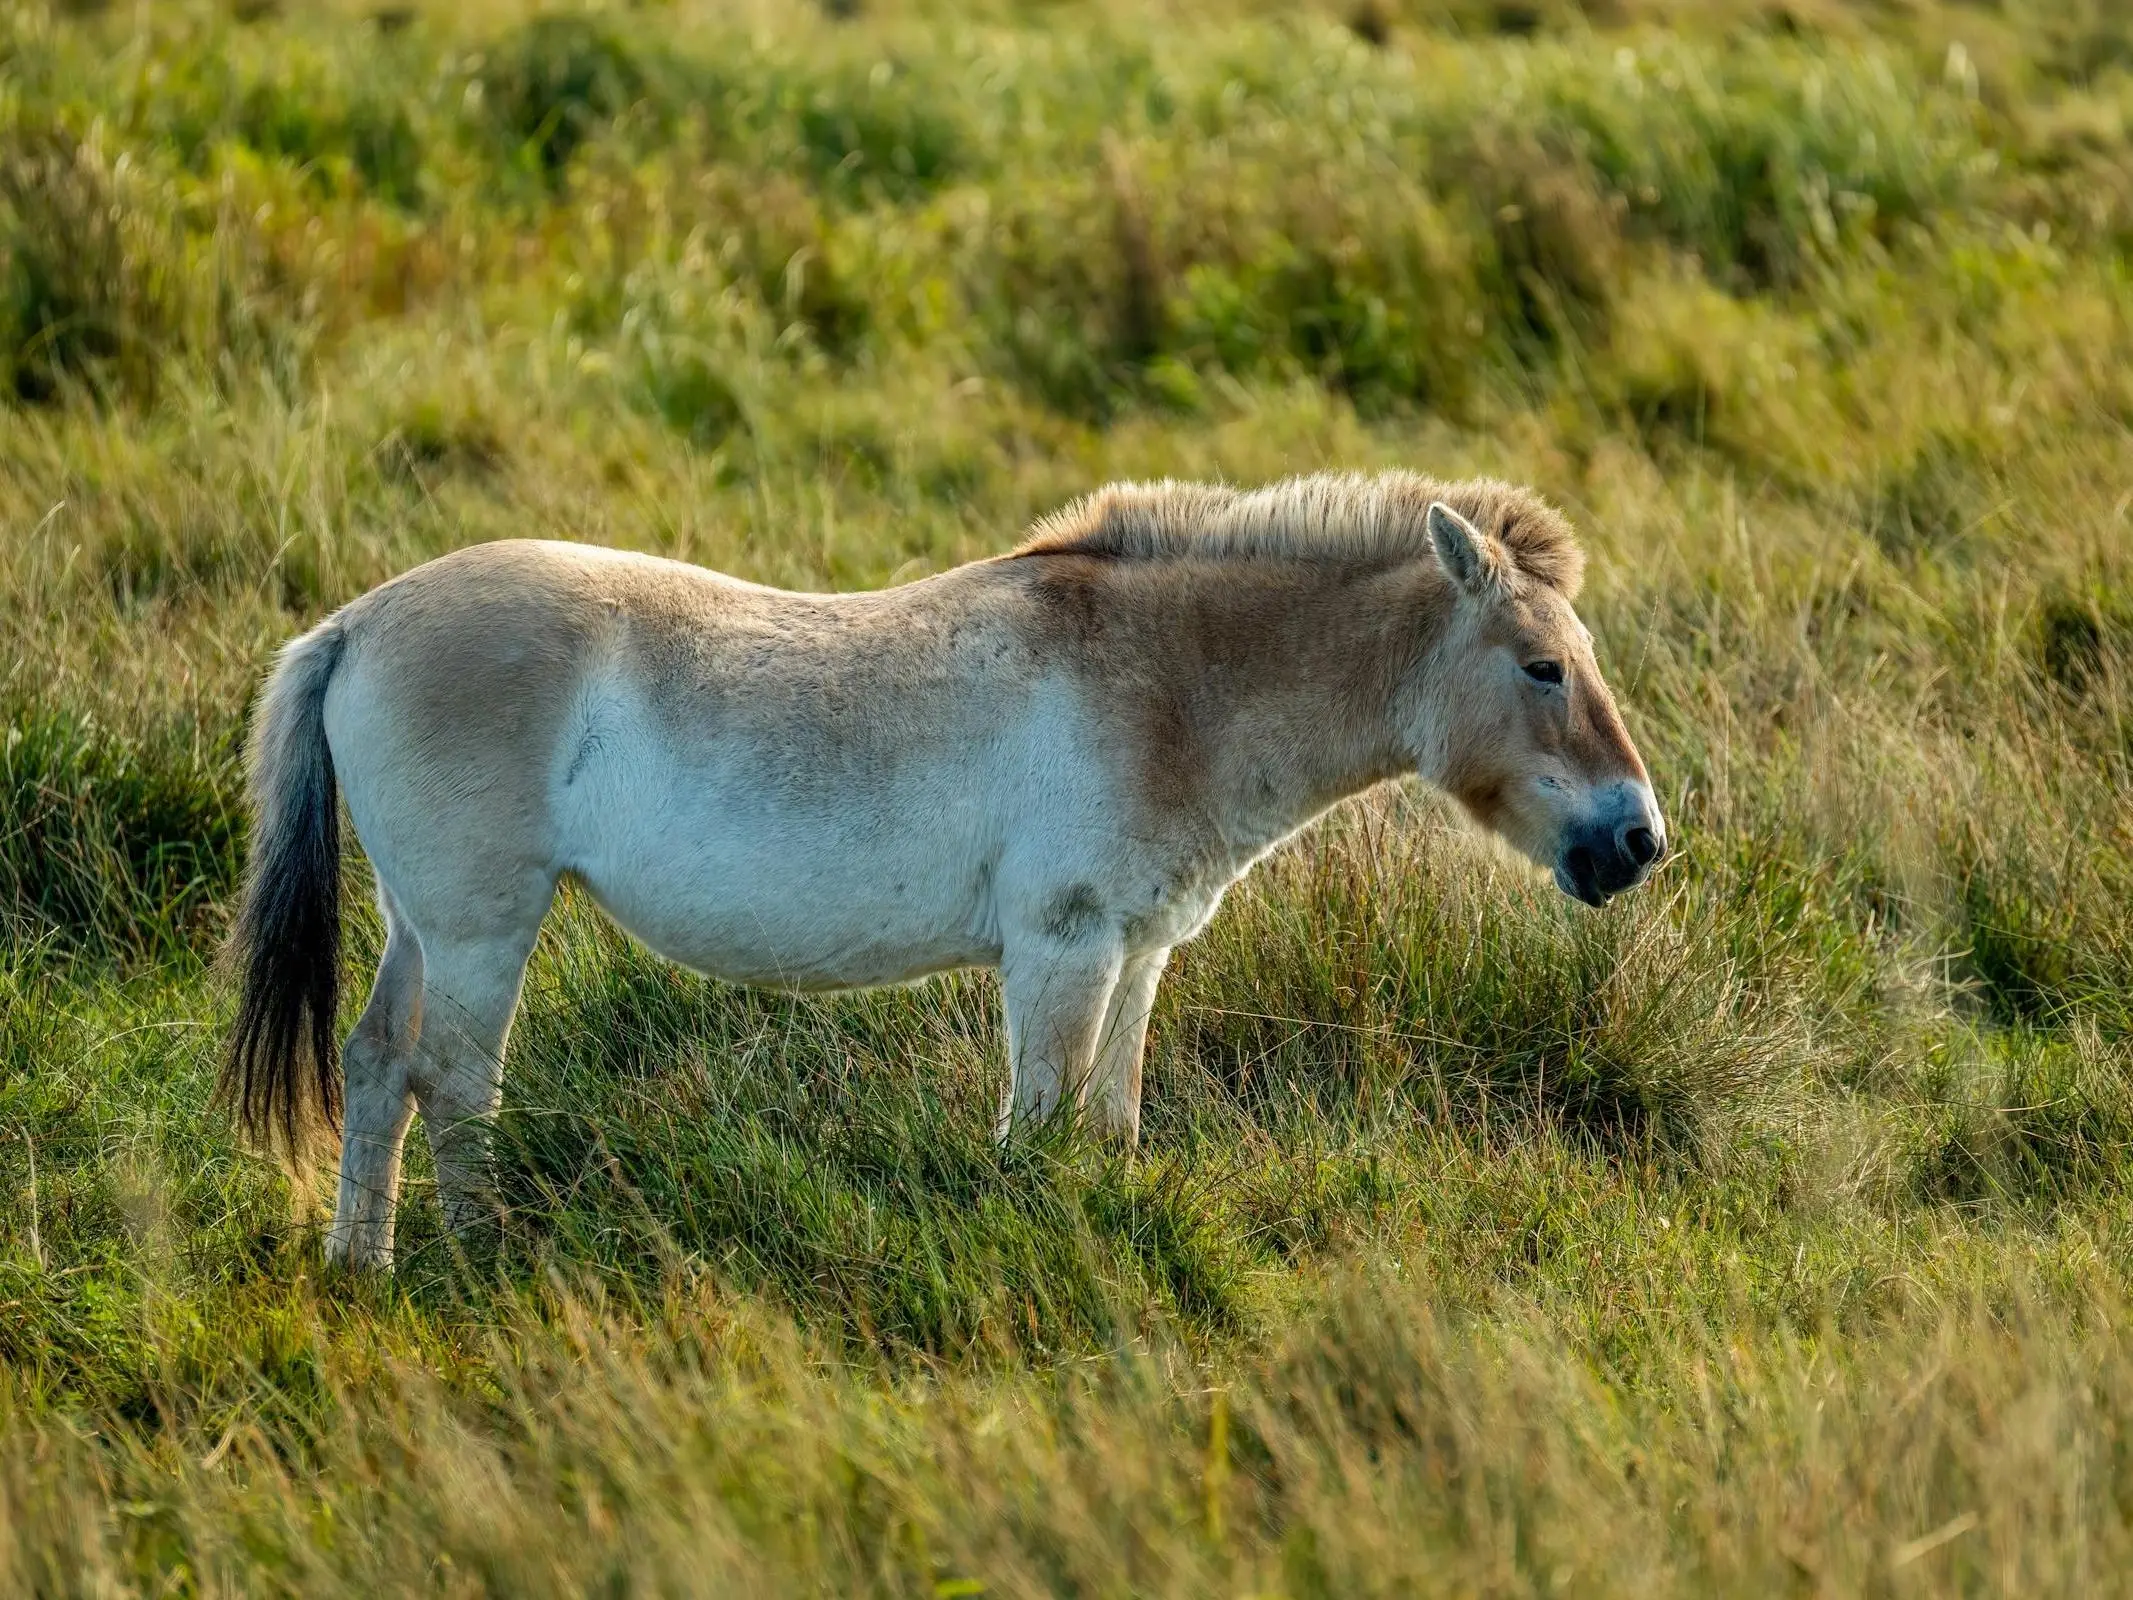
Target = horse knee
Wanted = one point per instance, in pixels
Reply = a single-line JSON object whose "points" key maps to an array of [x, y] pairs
{"points": [[1114, 1098], [1116, 1116]]}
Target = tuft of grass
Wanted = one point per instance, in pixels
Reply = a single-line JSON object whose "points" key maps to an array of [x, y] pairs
{"points": [[117, 844], [1388, 986], [92, 304], [2044, 1118], [555, 81], [115, 276]]}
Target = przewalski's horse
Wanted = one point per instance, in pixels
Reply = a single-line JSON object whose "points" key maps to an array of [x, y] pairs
{"points": [[1052, 763]]}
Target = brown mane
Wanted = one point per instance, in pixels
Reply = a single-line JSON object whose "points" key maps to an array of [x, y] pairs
{"points": [[1326, 516]]}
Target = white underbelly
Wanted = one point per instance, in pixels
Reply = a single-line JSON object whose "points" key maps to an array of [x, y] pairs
{"points": [[743, 880], [797, 934]]}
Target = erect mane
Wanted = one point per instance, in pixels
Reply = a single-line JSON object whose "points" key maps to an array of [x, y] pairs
{"points": [[1324, 517]]}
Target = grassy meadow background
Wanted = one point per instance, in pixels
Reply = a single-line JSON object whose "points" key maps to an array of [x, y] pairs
{"points": [[1767, 1232]]}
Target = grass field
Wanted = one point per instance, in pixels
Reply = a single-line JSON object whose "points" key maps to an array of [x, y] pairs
{"points": [[1766, 1232]]}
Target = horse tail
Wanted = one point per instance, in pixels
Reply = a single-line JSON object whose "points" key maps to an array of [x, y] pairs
{"points": [[286, 943]]}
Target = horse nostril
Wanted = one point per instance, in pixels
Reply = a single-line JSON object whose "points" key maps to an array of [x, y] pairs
{"points": [[1642, 845]]}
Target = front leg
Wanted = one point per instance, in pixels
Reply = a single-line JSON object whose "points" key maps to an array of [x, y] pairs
{"points": [[1056, 991], [1115, 1089]]}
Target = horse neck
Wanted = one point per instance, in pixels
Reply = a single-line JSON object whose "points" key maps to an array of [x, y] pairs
{"points": [[1300, 666]]}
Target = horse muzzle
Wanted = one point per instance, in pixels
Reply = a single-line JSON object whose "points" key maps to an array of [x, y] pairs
{"points": [[1613, 850]]}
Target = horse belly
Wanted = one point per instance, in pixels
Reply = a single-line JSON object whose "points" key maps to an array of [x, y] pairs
{"points": [[771, 920], [737, 881]]}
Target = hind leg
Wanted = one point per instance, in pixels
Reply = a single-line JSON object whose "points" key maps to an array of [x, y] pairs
{"points": [[470, 989], [378, 1103]]}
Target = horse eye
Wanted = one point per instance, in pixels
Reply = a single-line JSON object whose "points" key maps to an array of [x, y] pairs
{"points": [[1545, 671]]}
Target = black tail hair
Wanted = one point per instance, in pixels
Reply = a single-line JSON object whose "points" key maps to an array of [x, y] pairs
{"points": [[286, 943]]}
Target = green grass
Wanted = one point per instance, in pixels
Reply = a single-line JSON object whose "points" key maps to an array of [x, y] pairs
{"points": [[1765, 1232]]}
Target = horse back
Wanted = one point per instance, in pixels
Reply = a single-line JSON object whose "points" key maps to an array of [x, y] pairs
{"points": [[544, 680]]}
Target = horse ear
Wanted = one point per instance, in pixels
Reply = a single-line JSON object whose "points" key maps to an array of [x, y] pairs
{"points": [[1468, 554]]}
